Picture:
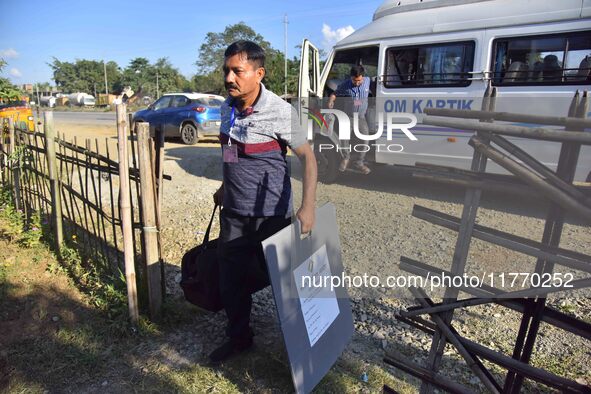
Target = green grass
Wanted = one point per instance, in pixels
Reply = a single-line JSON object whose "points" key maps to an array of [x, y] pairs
{"points": [[74, 334]]}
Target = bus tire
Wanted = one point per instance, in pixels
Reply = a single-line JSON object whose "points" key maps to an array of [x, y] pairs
{"points": [[327, 161]]}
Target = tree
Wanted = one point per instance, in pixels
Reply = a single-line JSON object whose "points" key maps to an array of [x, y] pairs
{"points": [[86, 76], [8, 91], [141, 76], [169, 78], [210, 78], [211, 52], [211, 55]]}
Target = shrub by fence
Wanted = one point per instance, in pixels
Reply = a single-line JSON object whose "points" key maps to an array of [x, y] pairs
{"points": [[80, 190]]}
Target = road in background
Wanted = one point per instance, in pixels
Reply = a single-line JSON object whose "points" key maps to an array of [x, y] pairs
{"points": [[95, 118]]}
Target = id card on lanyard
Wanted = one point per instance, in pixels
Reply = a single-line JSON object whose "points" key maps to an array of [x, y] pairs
{"points": [[229, 151], [357, 102]]}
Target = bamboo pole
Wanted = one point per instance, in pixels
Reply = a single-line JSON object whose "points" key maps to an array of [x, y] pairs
{"points": [[114, 219], [135, 173], [569, 121], [553, 193], [83, 199], [549, 315], [54, 181], [102, 210], [149, 223], [540, 168], [425, 374], [14, 165], [19, 178], [469, 358], [3, 153], [158, 168], [500, 359], [537, 133], [125, 213], [68, 213]]}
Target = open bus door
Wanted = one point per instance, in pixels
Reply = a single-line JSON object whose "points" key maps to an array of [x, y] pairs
{"points": [[310, 98], [309, 82]]}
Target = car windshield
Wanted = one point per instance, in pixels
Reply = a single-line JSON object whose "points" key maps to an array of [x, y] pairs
{"points": [[208, 101], [21, 103]]}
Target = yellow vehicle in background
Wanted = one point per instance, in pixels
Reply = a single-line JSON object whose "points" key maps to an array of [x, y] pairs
{"points": [[20, 111]]}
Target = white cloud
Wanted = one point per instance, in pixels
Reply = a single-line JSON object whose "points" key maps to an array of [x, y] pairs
{"points": [[15, 72], [331, 37], [8, 53]]}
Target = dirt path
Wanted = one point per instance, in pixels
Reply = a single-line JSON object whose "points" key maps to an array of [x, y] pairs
{"points": [[376, 228]]}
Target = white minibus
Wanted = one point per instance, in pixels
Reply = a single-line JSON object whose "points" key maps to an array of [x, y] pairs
{"points": [[443, 54]]}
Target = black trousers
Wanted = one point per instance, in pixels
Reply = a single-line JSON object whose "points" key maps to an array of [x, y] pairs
{"points": [[239, 248]]}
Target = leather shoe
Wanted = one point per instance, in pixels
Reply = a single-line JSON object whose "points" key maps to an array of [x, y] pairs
{"points": [[229, 349]]}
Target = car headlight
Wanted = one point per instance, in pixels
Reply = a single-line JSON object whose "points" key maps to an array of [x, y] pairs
{"points": [[30, 118]]}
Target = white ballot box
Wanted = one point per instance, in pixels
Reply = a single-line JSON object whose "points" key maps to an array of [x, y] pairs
{"points": [[315, 318]]}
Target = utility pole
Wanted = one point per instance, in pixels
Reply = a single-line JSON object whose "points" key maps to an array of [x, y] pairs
{"points": [[38, 97], [157, 88], [285, 22], [106, 86]]}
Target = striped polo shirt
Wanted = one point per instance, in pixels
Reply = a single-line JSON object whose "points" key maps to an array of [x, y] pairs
{"points": [[258, 184]]}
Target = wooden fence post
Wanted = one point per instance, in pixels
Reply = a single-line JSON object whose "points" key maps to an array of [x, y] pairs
{"points": [[125, 213], [14, 164], [3, 154], [54, 180], [158, 154], [150, 229]]}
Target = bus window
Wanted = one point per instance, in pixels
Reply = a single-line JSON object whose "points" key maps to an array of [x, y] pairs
{"points": [[347, 58], [434, 65], [546, 60]]}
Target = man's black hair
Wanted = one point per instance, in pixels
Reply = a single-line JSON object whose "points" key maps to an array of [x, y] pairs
{"points": [[357, 71], [254, 52]]}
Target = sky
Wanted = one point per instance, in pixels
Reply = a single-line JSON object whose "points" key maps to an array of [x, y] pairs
{"points": [[35, 31]]}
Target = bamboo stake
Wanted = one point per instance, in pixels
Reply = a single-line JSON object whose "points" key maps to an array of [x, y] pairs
{"points": [[20, 183], [88, 171], [133, 139], [85, 227], [54, 181], [38, 179], [76, 215], [125, 213], [158, 164], [14, 165], [69, 210], [99, 203], [112, 199], [150, 229]]}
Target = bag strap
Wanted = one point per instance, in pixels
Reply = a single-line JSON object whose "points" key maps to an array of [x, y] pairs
{"points": [[206, 238]]}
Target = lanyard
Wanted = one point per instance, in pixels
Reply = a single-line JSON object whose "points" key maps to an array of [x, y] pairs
{"points": [[232, 121]]}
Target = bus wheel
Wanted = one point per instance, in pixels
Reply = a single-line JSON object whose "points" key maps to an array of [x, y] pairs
{"points": [[327, 161]]}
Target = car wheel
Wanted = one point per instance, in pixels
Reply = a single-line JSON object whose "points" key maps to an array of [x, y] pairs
{"points": [[327, 162], [189, 134]]}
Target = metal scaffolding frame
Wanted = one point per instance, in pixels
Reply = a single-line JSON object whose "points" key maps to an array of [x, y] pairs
{"points": [[556, 186]]}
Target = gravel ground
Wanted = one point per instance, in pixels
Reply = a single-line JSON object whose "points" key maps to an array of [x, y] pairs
{"points": [[376, 228]]}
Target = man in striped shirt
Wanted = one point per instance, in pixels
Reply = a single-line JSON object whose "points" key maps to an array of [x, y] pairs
{"points": [[257, 127]]}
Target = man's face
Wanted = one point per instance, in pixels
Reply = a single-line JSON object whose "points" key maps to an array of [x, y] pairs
{"points": [[357, 81], [241, 76]]}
